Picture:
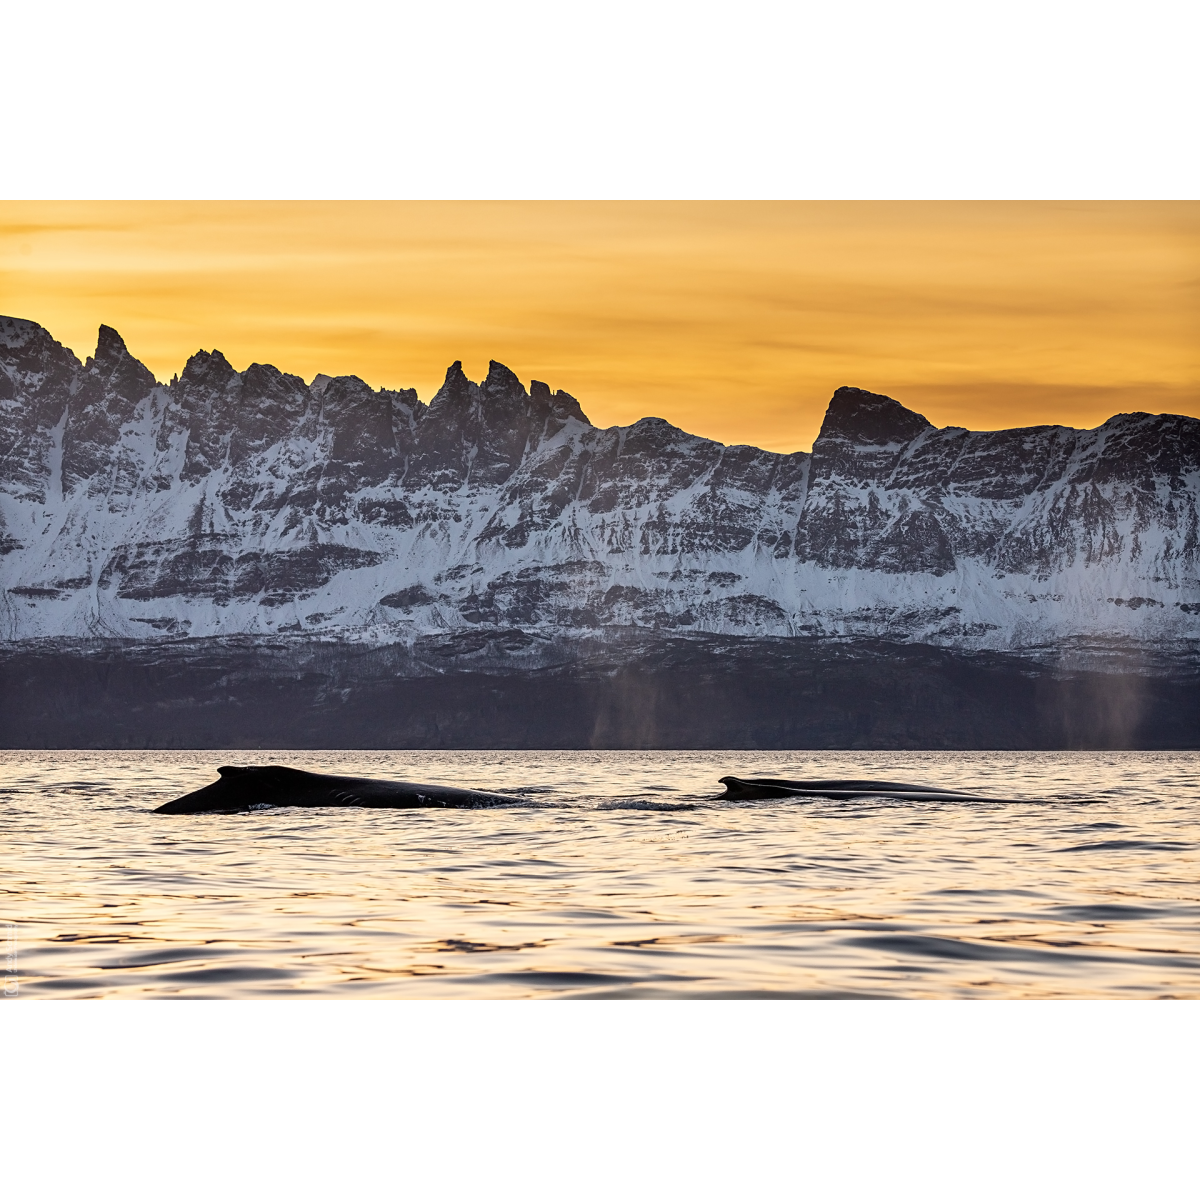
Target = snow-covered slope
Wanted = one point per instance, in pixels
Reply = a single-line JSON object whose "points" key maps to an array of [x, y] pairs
{"points": [[253, 503]]}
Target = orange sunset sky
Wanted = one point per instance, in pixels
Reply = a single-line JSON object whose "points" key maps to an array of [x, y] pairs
{"points": [[734, 320]]}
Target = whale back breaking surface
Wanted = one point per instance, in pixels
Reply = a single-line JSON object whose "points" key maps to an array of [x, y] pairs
{"points": [[242, 788], [245, 787], [835, 789]]}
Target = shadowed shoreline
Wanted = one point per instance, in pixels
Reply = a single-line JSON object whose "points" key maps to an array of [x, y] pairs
{"points": [[509, 690]]}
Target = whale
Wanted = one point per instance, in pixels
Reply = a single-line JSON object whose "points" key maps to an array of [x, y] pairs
{"points": [[239, 789], [835, 789], [242, 788]]}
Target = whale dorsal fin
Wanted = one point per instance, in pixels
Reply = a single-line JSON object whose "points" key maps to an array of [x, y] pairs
{"points": [[733, 785]]}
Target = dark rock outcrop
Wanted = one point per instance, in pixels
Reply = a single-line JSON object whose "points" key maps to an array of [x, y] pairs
{"points": [[251, 504]]}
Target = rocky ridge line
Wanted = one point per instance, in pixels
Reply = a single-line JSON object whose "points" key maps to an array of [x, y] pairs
{"points": [[249, 503]]}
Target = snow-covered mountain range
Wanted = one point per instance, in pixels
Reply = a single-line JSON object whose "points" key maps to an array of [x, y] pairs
{"points": [[252, 503]]}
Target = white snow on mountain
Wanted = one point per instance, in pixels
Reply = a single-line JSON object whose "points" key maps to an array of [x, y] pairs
{"points": [[250, 503]]}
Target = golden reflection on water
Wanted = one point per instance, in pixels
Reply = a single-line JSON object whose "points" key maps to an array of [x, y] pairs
{"points": [[613, 874]]}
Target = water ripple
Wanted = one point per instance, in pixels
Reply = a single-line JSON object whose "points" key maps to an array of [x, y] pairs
{"points": [[609, 875]]}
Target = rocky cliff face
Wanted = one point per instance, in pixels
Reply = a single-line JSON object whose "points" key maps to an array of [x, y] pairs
{"points": [[250, 503]]}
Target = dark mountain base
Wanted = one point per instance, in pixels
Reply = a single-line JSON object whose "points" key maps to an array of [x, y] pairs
{"points": [[512, 690]]}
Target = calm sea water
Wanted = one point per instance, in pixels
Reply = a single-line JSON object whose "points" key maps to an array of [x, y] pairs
{"points": [[612, 874]]}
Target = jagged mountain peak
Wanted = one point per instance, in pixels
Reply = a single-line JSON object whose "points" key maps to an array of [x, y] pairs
{"points": [[868, 418], [501, 379], [117, 369], [502, 391], [16, 333], [28, 347], [205, 368], [110, 345], [561, 404], [456, 390]]}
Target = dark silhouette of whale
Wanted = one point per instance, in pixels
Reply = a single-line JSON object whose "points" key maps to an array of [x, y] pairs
{"points": [[241, 788], [834, 789]]}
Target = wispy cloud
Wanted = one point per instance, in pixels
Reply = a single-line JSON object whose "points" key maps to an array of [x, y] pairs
{"points": [[735, 320]]}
